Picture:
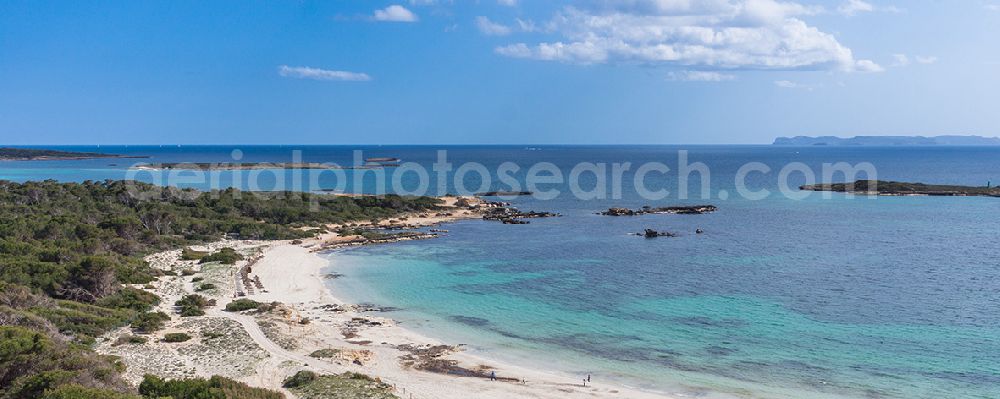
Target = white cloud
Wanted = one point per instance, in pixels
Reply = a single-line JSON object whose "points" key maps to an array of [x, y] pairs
{"points": [[519, 50], [321, 74], [731, 34], [508, 3], [788, 84], [394, 13], [699, 76], [992, 7], [526, 25], [867, 66], [491, 28], [852, 7], [901, 60]]}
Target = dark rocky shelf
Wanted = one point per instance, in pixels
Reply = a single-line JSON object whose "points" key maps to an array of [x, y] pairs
{"points": [[646, 210]]}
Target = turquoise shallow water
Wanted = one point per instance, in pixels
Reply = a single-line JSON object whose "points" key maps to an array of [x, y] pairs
{"points": [[755, 322], [894, 297]]}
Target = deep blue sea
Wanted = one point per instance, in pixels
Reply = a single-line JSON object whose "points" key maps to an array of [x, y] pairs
{"points": [[822, 296]]}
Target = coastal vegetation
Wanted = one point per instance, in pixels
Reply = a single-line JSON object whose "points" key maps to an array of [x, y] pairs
{"points": [[242, 304], [150, 322], [324, 353], [67, 251], [200, 388], [193, 305], [227, 256], [176, 337], [190, 254], [309, 385]]}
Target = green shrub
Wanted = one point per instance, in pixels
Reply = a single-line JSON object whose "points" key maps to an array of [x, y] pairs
{"points": [[300, 378], [130, 298], [147, 323], [72, 391], [176, 337], [205, 287], [324, 353], [131, 339], [225, 255], [31, 363], [199, 388], [190, 254], [67, 248], [81, 320], [193, 305], [242, 304]]}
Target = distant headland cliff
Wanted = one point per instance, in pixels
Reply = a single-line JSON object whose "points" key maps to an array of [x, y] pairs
{"points": [[887, 140], [31, 154], [883, 187]]}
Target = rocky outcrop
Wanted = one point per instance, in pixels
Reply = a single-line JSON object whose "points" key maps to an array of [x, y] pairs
{"points": [[650, 233], [646, 210], [503, 193], [510, 215]]}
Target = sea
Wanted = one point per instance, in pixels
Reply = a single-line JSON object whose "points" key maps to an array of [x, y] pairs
{"points": [[782, 294]]}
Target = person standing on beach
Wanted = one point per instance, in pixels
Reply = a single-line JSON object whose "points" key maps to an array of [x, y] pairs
{"points": [[493, 375]]}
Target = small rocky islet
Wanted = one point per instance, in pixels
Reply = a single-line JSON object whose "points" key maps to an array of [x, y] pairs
{"points": [[670, 210]]}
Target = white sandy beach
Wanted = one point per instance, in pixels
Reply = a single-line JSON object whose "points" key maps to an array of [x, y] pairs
{"points": [[264, 349]]}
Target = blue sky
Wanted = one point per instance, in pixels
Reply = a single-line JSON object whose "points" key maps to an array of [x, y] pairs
{"points": [[488, 71]]}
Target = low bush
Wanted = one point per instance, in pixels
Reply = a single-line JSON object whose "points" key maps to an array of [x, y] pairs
{"points": [[131, 339], [148, 323], [193, 305], [242, 304], [190, 254], [205, 287], [176, 337], [199, 388], [225, 255], [324, 353], [301, 378]]}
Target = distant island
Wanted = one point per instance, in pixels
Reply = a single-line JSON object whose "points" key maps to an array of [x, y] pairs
{"points": [[879, 187], [30, 154], [887, 141], [209, 166]]}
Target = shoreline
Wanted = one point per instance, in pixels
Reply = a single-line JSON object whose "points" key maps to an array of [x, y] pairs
{"points": [[264, 348], [305, 288]]}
